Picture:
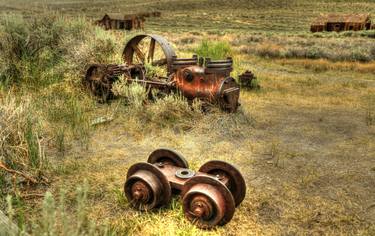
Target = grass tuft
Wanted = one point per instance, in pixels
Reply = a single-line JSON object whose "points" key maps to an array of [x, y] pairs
{"points": [[214, 49]]}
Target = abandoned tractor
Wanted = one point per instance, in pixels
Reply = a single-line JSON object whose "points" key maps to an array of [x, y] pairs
{"points": [[209, 196], [195, 78]]}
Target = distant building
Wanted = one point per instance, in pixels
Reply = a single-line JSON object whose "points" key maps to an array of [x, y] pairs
{"points": [[117, 21], [341, 22]]}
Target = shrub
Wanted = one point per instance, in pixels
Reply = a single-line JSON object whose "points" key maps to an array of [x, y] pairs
{"points": [[269, 50], [27, 48], [313, 47], [360, 55], [65, 115], [40, 51], [372, 51], [315, 53], [214, 49], [173, 111], [134, 94], [21, 152], [58, 219]]}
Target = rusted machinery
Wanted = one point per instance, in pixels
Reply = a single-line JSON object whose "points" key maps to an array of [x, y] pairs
{"points": [[195, 78], [247, 79], [209, 196]]}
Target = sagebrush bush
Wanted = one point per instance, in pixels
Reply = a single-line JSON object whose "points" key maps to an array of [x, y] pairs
{"points": [[40, 51], [134, 94], [161, 111], [173, 111], [58, 219], [20, 146], [64, 113], [333, 47], [48, 55]]}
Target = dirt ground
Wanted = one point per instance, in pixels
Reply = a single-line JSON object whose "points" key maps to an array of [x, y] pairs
{"points": [[302, 143]]}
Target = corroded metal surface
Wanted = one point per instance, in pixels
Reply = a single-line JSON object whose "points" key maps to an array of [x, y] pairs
{"points": [[99, 78], [147, 187], [246, 80], [195, 78], [207, 201], [132, 51], [166, 155], [227, 172], [209, 195]]}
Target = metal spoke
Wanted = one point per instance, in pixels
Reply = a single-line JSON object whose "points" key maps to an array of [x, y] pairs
{"points": [[151, 50], [139, 53]]}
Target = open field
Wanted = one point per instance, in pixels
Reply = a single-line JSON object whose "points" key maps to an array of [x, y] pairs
{"points": [[305, 142]]}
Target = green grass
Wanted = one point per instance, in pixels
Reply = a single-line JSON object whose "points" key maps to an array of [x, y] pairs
{"points": [[214, 50], [304, 141]]}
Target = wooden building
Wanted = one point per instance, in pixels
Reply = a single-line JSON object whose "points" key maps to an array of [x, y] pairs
{"points": [[341, 22], [121, 22]]}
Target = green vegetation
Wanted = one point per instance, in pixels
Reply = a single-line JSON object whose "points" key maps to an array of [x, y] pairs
{"points": [[20, 148], [55, 219], [214, 50], [311, 47], [304, 141]]}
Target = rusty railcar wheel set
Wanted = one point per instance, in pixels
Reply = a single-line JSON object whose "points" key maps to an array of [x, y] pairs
{"points": [[209, 195]]}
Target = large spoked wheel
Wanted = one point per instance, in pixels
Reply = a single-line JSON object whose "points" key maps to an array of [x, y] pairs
{"points": [[149, 49], [97, 83], [168, 156], [207, 202], [225, 171], [146, 187]]}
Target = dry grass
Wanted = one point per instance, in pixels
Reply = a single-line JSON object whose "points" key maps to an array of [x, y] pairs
{"points": [[304, 141], [325, 65], [21, 153]]}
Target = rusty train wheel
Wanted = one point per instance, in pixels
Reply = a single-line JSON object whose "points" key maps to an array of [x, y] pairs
{"points": [[152, 49], [168, 156], [207, 202], [222, 169], [96, 83], [146, 187]]}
